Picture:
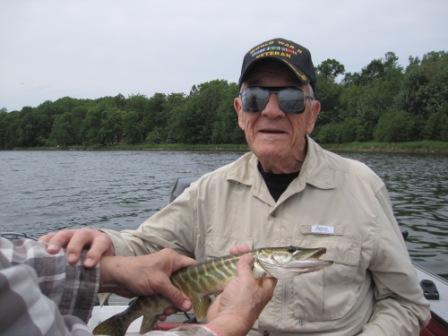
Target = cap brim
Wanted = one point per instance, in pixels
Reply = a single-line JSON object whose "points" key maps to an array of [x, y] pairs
{"points": [[300, 75]]}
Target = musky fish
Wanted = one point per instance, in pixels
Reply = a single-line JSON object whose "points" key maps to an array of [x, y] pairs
{"points": [[210, 277]]}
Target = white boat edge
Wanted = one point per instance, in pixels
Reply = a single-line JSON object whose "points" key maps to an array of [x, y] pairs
{"points": [[438, 307]]}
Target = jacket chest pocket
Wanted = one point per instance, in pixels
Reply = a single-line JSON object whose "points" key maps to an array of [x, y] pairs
{"points": [[330, 293]]}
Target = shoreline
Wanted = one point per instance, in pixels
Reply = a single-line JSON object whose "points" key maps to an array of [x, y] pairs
{"points": [[413, 147]]}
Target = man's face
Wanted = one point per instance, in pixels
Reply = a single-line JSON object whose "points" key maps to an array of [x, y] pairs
{"points": [[278, 139]]}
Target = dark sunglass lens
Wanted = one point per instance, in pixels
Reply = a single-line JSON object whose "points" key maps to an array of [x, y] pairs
{"points": [[254, 99], [291, 100]]}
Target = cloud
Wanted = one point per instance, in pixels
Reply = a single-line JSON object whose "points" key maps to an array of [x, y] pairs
{"points": [[88, 49]]}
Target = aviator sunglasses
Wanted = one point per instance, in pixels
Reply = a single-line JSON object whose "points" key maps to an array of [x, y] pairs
{"points": [[290, 99]]}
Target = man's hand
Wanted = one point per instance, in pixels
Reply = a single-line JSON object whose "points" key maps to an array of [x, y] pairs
{"points": [[145, 275], [236, 309], [75, 240]]}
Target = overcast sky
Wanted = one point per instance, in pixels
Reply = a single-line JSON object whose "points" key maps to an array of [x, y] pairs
{"points": [[94, 48]]}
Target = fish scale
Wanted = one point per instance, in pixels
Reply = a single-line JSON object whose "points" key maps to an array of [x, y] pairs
{"points": [[210, 277]]}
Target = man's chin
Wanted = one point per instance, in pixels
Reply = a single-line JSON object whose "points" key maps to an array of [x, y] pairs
{"points": [[268, 152]]}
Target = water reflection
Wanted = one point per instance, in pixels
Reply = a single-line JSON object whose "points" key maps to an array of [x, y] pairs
{"points": [[418, 186]]}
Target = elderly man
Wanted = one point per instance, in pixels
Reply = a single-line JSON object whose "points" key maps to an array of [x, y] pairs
{"points": [[288, 190]]}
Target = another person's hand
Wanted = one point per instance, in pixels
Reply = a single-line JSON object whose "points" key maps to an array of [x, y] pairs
{"points": [[145, 275], [239, 249], [236, 309], [75, 240]]}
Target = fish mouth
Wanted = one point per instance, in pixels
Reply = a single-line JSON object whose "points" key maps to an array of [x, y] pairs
{"points": [[319, 252], [308, 253]]}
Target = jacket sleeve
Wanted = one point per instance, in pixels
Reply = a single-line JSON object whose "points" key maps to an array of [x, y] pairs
{"points": [[44, 295], [174, 226], [400, 307]]}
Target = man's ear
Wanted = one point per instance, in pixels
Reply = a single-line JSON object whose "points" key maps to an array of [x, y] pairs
{"points": [[314, 114], [237, 105]]}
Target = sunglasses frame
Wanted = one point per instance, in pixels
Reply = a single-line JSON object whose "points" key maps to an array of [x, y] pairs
{"points": [[275, 90]]}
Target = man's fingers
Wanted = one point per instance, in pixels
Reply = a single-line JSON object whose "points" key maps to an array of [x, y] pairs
{"points": [[56, 241], [182, 261], [268, 284], [80, 239], [178, 298], [100, 246], [174, 259], [46, 238], [169, 311], [239, 249], [244, 266]]}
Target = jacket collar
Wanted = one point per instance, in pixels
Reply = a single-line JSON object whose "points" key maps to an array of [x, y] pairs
{"points": [[316, 170]]}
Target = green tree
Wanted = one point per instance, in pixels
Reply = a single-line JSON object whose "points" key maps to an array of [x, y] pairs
{"points": [[395, 126], [11, 131], [194, 121], [330, 69], [111, 129], [91, 126], [425, 90], [371, 93], [329, 91], [225, 126], [3, 127], [436, 127], [132, 130]]}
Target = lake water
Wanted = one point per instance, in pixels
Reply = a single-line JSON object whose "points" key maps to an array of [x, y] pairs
{"points": [[41, 191]]}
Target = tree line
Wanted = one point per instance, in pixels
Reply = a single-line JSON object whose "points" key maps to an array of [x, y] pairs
{"points": [[383, 102]]}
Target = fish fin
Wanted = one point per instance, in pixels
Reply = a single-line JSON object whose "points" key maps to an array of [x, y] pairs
{"points": [[200, 306], [259, 271], [103, 298], [113, 326], [152, 311], [148, 323]]}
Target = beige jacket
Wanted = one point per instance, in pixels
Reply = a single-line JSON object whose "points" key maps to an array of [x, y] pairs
{"points": [[337, 203]]}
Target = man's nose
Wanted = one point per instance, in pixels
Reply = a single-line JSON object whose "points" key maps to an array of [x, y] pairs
{"points": [[272, 109]]}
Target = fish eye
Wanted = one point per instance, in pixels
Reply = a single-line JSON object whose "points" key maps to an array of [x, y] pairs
{"points": [[292, 249]]}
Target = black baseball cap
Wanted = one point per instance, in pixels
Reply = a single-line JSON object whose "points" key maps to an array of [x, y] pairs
{"points": [[295, 56]]}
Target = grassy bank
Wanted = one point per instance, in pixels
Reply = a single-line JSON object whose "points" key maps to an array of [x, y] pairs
{"points": [[417, 147], [414, 147], [179, 147], [149, 147]]}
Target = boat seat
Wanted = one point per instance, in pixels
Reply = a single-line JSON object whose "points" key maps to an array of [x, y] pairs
{"points": [[181, 184]]}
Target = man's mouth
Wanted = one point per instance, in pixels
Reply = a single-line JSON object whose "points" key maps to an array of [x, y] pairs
{"points": [[271, 131]]}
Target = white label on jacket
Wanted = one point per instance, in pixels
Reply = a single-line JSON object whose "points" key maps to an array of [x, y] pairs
{"points": [[322, 229]]}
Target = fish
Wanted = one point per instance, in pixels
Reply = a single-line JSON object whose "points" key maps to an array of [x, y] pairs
{"points": [[210, 277]]}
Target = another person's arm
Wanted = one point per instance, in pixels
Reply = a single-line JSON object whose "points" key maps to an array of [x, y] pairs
{"points": [[40, 294], [144, 275], [43, 293]]}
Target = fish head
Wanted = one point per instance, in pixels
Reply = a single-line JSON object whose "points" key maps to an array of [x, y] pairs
{"points": [[287, 262]]}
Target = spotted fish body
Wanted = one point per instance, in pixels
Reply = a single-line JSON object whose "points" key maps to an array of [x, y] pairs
{"points": [[210, 277]]}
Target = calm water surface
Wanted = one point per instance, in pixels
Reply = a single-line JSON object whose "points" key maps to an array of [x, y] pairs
{"points": [[41, 191]]}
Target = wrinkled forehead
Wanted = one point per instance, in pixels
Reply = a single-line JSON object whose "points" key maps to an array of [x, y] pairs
{"points": [[271, 73]]}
